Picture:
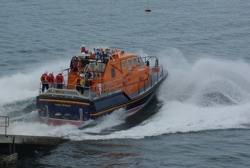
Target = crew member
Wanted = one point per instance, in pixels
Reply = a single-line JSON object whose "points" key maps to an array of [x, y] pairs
{"points": [[80, 84], [44, 81], [59, 81], [156, 63], [84, 50], [92, 55], [99, 86], [51, 80], [74, 64]]}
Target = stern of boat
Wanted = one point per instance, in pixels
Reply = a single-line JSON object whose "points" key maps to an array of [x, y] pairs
{"points": [[63, 106]]}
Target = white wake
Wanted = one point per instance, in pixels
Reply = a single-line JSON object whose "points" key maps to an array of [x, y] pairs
{"points": [[204, 94]]}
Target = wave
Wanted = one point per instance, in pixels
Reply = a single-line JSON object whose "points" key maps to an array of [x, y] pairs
{"points": [[23, 86], [28, 124], [203, 94]]}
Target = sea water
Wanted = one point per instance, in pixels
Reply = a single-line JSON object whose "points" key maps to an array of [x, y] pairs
{"points": [[200, 116]]}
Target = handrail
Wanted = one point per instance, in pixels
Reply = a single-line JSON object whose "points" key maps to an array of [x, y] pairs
{"points": [[110, 86], [5, 120], [149, 58]]}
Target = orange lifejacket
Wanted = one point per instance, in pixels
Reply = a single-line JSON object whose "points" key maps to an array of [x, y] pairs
{"points": [[59, 79], [44, 78], [51, 78]]}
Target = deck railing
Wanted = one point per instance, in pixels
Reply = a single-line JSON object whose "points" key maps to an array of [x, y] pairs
{"points": [[4, 123], [108, 88]]}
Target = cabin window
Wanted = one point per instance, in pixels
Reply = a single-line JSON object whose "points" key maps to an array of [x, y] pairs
{"points": [[92, 66], [100, 67], [140, 61], [135, 61], [113, 72]]}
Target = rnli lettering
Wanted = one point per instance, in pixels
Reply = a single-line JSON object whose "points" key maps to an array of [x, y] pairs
{"points": [[63, 105]]}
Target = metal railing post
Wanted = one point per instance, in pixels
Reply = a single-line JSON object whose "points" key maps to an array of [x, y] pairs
{"points": [[138, 92], [157, 75], [144, 86], [151, 80], [161, 71], [89, 92], [6, 124]]}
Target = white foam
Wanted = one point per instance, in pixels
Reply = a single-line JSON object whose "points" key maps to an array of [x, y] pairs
{"points": [[28, 124], [177, 117], [183, 95], [108, 121], [21, 86], [39, 129]]}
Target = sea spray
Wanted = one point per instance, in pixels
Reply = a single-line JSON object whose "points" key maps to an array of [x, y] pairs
{"points": [[205, 94], [187, 103], [21, 86]]}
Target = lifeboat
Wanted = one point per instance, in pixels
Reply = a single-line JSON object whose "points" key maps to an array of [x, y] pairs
{"points": [[98, 83]]}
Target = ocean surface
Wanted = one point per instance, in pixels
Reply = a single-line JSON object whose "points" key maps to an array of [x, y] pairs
{"points": [[200, 116]]}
